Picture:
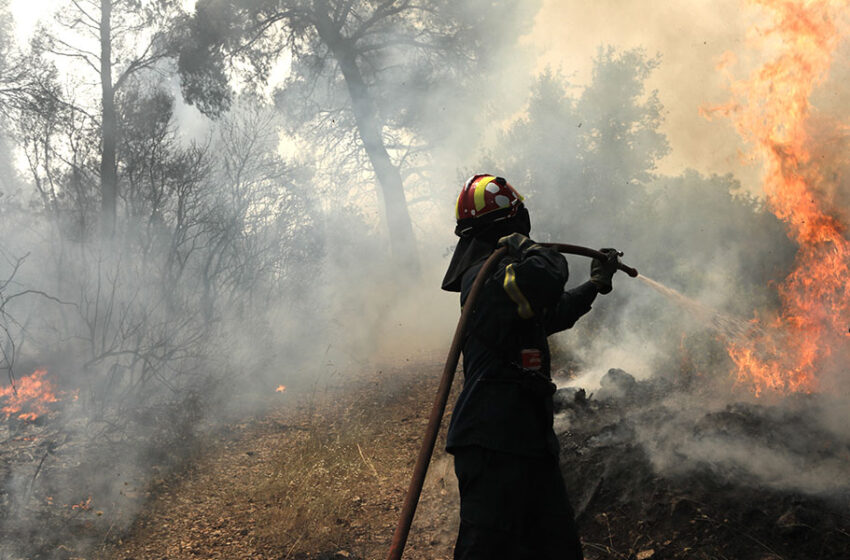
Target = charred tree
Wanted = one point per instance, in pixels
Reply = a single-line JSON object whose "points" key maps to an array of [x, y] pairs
{"points": [[109, 125]]}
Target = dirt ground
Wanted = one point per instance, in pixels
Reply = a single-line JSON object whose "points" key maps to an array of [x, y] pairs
{"points": [[323, 477]]}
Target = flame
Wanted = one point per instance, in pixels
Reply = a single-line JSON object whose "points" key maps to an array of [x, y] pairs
{"points": [[772, 111], [281, 388], [29, 398]]}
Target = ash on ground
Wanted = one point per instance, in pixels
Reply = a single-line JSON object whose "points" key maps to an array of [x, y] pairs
{"points": [[654, 472], [68, 485]]}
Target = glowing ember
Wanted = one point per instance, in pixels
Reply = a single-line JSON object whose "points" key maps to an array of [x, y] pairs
{"points": [[85, 505], [772, 111], [281, 388], [29, 398]]}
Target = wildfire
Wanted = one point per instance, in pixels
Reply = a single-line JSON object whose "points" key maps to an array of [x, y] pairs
{"points": [[281, 388], [29, 398], [772, 111]]}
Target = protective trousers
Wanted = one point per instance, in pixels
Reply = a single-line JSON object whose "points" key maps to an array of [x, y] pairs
{"points": [[513, 507]]}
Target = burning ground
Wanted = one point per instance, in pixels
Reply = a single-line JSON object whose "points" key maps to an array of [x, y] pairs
{"points": [[324, 476], [68, 482]]}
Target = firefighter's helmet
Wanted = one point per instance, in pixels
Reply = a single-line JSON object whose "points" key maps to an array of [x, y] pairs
{"points": [[485, 199]]}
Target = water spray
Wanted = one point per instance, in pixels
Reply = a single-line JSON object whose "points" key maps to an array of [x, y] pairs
{"points": [[732, 328], [411, 500]]}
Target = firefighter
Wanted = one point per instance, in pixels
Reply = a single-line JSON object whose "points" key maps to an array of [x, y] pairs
{"points": [[513, 501]]}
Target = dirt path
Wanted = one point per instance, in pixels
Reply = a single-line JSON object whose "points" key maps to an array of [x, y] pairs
{"points": [[323, 476]]}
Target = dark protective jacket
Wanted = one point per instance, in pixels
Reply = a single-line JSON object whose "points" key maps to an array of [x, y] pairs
{"points": [[506, 401]]}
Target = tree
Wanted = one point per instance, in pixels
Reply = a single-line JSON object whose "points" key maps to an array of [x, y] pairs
{"points": [[25, 83], [262, 226], [620, 120], [132, 35], [13, 74], [386, 56], [60, 145], [9, 78], [586, 155], [586, 159]]}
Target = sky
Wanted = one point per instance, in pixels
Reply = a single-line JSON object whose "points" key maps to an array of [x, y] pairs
{"points": [[691, 36]]}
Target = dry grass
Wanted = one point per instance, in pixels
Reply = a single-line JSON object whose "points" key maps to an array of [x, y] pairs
{"points": [[322, 477], [340, 483]]}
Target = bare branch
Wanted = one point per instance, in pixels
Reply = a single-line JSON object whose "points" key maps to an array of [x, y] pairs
{"points": [[15, 267], [265, 25], [342, 13], [143, 61], [75, 49], [94, 23], [385, 10], [39, 293]]}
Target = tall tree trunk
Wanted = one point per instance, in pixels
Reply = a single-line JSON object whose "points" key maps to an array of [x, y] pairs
{"points": [[402, 241], [109, 123]]}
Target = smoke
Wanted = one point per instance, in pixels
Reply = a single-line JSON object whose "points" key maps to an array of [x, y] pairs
{"points": [[235, 269], [587, 149], [691, 38], [827, 130], [786, 449], [231, 270]]}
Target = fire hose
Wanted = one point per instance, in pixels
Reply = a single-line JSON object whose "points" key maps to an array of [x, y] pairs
{"points": [[411, 500]]}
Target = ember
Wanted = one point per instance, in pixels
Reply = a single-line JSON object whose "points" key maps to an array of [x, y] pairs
{"points": [[29, 398], [85, 505], [772, 110]]}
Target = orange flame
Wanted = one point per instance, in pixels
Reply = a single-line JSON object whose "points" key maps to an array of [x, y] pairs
{"points": [[772, 111], [281, 388], [29, 398]]}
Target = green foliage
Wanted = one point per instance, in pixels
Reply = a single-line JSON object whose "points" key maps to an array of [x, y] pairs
{"points": [[201, 60], [620, 119], [585, 158], [422, 63], [703, 223], [585, 154]]}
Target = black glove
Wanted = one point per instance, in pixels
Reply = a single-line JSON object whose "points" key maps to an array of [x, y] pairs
{"points": [[517, 244], [601, 271]]}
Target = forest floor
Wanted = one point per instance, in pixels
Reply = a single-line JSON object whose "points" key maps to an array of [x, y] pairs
{"points": [[323, 476]]}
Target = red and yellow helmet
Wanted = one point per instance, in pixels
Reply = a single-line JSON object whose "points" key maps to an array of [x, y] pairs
{"points": [[486, 198]]}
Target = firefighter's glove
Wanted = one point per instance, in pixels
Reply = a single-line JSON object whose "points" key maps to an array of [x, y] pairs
{"points": [[517, 245], [601, 270]]}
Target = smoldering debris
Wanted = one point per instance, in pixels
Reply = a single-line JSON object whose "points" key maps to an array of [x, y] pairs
{"points": [[69, 484], [680, 475]]}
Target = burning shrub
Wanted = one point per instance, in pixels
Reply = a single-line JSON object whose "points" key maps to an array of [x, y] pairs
{"points": [[28, 398]]}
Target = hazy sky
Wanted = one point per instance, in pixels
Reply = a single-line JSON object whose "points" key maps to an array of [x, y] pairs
{"points": [[690, 36]]}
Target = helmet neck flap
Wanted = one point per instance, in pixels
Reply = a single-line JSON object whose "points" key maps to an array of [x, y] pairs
{"points": [[478, 238]]}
